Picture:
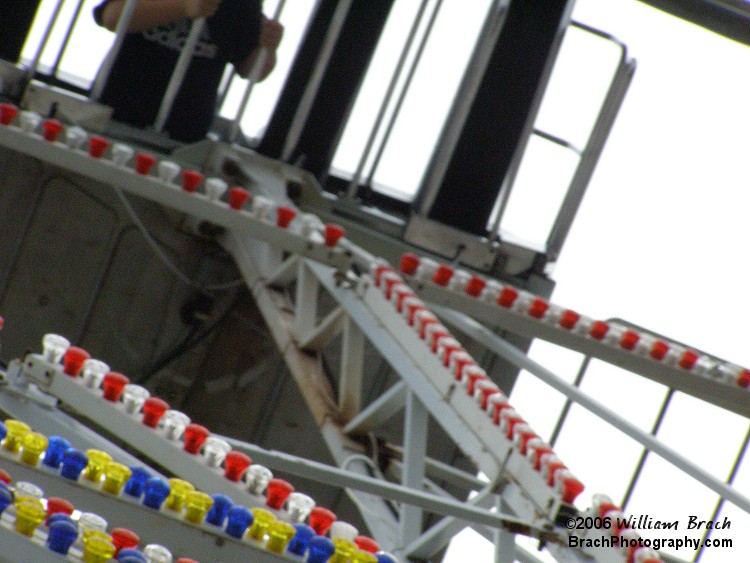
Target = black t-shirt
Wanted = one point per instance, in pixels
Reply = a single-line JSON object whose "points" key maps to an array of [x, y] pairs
{"points": [[144, 65]]}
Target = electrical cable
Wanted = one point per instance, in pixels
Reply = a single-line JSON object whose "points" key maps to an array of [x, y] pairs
{"points": [[159, 252]]}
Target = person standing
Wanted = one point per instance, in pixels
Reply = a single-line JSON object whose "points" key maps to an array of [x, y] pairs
{"points": [[235, 32]]}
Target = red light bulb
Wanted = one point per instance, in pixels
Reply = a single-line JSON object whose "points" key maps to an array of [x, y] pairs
{"points": [[688, 359], [472, 375], [659, 350], [459, 362], [390, 279], [409, 263], [144, 162], [497, 404], [73, 360], [97, 146], [401, 292], [507, 297], [436, 335], [332, 234], [52, 129], [8, 113], [153, 409], [629, 339], [277, 492], [191, 179], [5, 477], [538, 307], [475, 286], [552, 467], [522, 433], [122, 538], [509, 418], [378, 269], [598, 330], [424, 321], [536, 455], [284, 216], [743, 379], [443, 275], [193, 438], [569, 319], [367, 544], [56, 505], [235, 465], [320, 519], [238, 197], [569, 486], [112, 385]]}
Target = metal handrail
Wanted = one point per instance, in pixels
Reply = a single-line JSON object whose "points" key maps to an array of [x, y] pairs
{"points": [[120, 31], [588, 156], [178, 75], [351, 190], [253, 78]]}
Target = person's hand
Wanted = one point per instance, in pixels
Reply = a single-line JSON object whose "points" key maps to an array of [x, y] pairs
{"points": [[271, 33], [200, 8]]}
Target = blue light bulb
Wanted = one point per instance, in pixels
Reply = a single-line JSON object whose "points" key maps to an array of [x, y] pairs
{"points": [[3, 430], [156, 492], [60, 517], [61, 536], [6, 497], [55, 449], [320, 549], [239, 519], [131, 556], [384, 557], [301, 538], [73, 462], [218, 513], [137, 482]]}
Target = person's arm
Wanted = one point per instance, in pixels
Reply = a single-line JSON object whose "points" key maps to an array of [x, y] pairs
{"points": [[150, 13], [271, 33]]}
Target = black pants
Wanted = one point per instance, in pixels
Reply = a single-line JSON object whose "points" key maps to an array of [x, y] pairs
{"points": [[15, 22]]}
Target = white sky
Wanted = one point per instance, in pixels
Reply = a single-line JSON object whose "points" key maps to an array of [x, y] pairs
{"points": [[658, 241]]}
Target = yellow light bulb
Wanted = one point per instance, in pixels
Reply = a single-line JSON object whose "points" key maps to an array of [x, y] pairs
{"points": [[97, 546], [95, 468], [16, 431], [178, 494], [29, 514], [262, 519], [34, 445], [344, 549], [115, 477], [280, 534], [197, 504]]}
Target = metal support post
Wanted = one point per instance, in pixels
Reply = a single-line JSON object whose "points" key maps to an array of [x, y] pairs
{"points": [[352, 367], [66, 40], [43, 43], [379, 411], [252, 79], [505, 541], [178, 75], [306, 300], [351, 190], [313, 84], [415, 452], [120, 31]]}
